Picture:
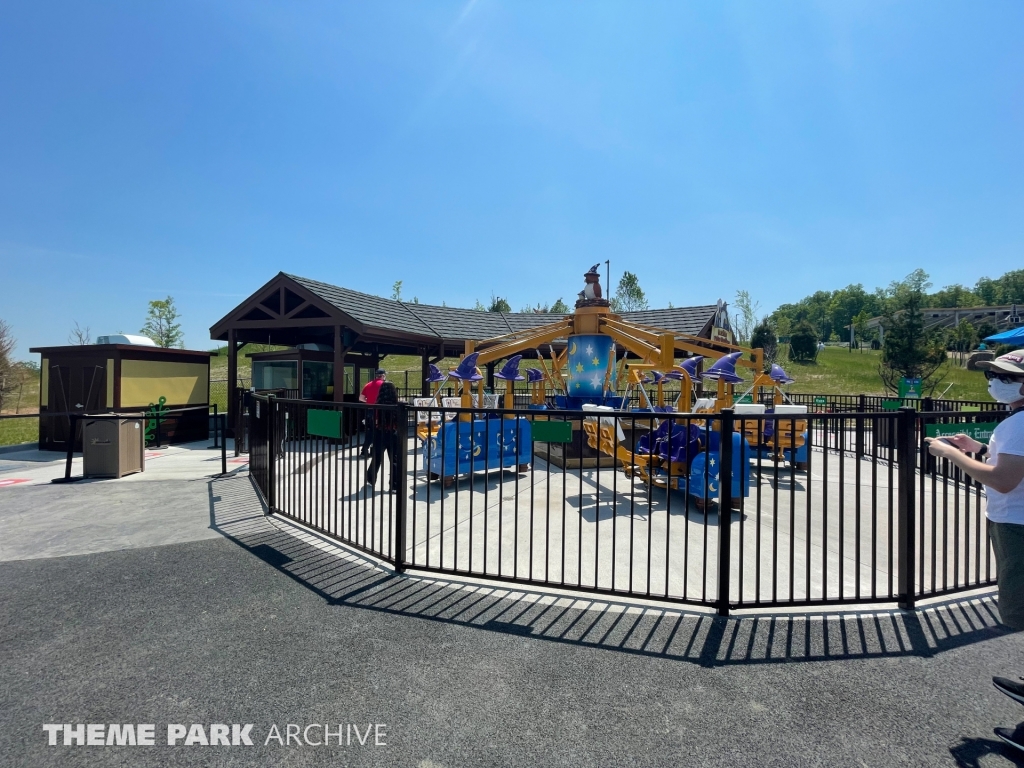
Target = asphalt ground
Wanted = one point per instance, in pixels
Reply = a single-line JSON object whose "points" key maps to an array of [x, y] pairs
{"points": [[267, 627]]}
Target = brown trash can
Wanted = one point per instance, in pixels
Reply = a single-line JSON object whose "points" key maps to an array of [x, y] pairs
{"points": [[113, 447]]}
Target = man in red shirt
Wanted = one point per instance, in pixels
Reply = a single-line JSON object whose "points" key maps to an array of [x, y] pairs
{"points": [[369, 396], [369, 393]]}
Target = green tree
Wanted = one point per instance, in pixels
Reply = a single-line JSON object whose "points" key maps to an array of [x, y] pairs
{"points": [[161, 324], [803, 343], [783, 324], [860, 328], [963, 339], [629, 296], [1008, 289], [745, 319], [499, 304], [955, 296], [985, 329], [9, 378], [560, 307], [764, 338], [909, 349], [396, 290]]}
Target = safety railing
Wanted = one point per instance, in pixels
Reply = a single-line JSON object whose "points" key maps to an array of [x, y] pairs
{"points": [[822, 508]]}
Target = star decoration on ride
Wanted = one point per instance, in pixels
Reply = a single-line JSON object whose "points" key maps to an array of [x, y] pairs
{"points": [[579, 367], [596, 361]]}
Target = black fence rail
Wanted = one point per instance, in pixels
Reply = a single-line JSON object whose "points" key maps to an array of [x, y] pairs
{"points": [[727, 510]]}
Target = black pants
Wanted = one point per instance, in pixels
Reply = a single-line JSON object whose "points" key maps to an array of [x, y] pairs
{"points": [[383, 440], [364, 449]]}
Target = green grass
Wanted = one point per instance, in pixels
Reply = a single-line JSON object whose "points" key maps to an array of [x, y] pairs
{"points": [[15, 431], [24, 399], [841, 372]]}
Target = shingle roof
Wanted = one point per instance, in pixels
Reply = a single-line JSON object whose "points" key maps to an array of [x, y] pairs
{"points": [[376, 312]]}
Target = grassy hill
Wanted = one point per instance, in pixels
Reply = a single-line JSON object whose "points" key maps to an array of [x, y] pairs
{"points": [[839, 371]]}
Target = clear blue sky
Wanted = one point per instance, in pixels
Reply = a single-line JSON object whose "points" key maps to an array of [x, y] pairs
{"points": [[196, 149]]}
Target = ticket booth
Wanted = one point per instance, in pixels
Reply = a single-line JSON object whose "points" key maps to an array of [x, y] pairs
{"points": [[101, 378]]}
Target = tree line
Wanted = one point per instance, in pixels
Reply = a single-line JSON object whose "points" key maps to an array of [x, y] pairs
{"points": [[830, 313]]}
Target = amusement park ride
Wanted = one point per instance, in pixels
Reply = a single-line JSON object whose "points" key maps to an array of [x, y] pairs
{"points": [[600, 349]]}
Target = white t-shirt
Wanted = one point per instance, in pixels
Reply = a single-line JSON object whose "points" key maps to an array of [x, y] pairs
{"points": [[1008, 437]]}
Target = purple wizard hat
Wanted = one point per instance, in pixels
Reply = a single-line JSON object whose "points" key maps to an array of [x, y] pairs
{"points": [[467, 369], [779, 376], [510, 371], [690, 365], [724, 369]]}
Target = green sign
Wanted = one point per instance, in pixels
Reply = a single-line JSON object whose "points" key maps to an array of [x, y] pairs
{"points": [[552, 432], [155, 413], [323, 423], [910, 388], [891, 405], [820, 400], [746, 399], [980, 431]]}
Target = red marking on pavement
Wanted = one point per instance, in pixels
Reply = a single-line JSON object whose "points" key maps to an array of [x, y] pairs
{"points": [[238, 461], [12, 481]]}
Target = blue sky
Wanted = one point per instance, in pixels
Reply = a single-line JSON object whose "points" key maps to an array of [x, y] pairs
{"points": [[471, 148]]}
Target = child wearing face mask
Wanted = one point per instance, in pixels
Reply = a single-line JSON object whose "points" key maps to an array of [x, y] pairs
{"points": [[999, 466]]}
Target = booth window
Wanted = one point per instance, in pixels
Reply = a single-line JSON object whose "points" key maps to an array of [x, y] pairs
{"points": [[316, 378], [275, 375]]}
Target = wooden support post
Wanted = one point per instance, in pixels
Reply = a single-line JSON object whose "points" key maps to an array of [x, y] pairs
{"points": [[232, 382], [425, 373], [339, 366]]}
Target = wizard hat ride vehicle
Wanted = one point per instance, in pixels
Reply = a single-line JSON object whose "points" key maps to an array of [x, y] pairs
{"points": [[600, 349]]}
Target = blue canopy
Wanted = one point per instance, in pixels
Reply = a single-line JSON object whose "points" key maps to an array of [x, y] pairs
{"points": [[1015, 336]]}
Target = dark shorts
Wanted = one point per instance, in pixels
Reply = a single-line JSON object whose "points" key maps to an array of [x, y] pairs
{"points": [[1008, 543]]}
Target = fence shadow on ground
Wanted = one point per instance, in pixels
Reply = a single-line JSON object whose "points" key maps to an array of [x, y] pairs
{"points": [[343, 578]]}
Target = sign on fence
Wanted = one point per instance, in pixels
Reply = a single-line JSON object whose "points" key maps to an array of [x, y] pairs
{"points": [[891, 405], [552, 432], [820, 400], [323, 423], [980, 431]]}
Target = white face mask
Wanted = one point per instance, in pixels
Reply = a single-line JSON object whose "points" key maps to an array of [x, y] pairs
{"points": [[1005, 393]]}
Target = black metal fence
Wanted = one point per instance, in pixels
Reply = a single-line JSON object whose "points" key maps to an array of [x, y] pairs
{"points": [[825, 508]]}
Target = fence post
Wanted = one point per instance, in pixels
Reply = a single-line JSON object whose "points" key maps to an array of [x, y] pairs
{"points": [[906, 457], [724, 509], [271, 451], [401, 487], [859, 448]]}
